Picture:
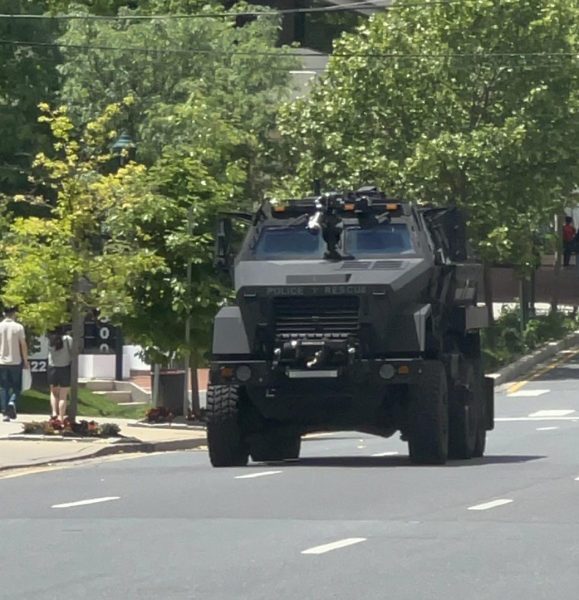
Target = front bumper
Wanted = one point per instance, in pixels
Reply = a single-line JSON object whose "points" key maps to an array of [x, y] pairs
{"points": [[365, 372]]}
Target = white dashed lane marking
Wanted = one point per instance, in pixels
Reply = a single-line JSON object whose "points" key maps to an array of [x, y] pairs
{"points": [[528, 393], [491, 504], [333, 546], [260, 474], [546, 428], [552, 413], [385, 454], [86, 502], [513, 419]]}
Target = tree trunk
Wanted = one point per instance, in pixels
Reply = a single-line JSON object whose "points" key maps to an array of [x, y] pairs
{"points": [[155, 390], [556, 269], [488, 293], [524, 302], [195, 401], [532, 293], [77, 331]]}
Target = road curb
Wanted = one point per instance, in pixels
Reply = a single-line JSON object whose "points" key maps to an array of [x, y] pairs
{"points": [[528, 362], [126, 448]]}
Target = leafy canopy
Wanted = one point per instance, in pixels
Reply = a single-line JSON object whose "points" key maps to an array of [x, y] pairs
{"points": [[473, 103], [188, 77], [73, 258]]}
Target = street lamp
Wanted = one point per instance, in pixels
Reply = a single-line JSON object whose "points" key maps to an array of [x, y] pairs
{"points": [[124, 150]]}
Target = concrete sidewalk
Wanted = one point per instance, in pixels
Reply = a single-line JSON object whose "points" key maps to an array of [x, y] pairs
{"points": [[18, 450]]}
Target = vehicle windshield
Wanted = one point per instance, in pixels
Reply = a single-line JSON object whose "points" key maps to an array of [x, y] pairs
{"points": [[388, 238], [285, 243]]}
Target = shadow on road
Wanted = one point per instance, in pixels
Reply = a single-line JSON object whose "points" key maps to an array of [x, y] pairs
{"points": [[494, 460], [398, 461], [567, 372]]}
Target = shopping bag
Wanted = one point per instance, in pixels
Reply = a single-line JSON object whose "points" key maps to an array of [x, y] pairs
{"points": [[26, 379]]}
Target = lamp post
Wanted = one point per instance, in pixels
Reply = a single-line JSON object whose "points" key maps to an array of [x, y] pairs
{"points": [[124, 151]]}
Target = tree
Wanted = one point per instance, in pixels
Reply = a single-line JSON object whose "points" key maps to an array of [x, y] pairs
{"points": [[28, 75], [180, 188], [122, 242], [58, 268], [172, 309], [171, 66], [206, 93], [470, 103]]}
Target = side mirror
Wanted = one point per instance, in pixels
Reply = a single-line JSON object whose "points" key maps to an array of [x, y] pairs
{"points": [[222, 254], [456, 235], [448, 227]]}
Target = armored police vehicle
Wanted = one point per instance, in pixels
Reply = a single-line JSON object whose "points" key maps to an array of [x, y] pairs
{"points": [[353, 311]]}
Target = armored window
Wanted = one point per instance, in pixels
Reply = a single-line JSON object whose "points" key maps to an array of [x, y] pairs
{"points": [[391, 238], [285, 243]]}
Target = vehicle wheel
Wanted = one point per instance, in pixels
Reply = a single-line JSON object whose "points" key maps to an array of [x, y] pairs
{"points": [[274, 446], [464, 416], [227, 446], [428, 416]]}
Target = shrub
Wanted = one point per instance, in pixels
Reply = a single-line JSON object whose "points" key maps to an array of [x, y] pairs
{"points": [[506, 341]]}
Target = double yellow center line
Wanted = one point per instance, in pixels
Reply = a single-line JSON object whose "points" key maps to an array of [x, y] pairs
{"points": [[517, 385]]}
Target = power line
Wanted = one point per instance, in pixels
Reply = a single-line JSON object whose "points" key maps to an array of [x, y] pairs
{"points": [[279, 54], [191, 51], [362, 5]]}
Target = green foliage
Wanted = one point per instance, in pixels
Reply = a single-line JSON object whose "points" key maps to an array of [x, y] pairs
{"points": [[173, 217], [52, 265], [27, 75], [201, 111], [473, 103], [199, 96], [505, 340], [193, 81], [121, 241], [41, 265], [109, 430]]}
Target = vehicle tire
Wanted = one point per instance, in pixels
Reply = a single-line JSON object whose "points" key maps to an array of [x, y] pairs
{"points": [[472, 349], [464, 415], [272, 446], [428, 416], [227, 446]]}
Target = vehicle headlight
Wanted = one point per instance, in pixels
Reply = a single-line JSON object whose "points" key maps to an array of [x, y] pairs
{"points": [[386, 371], [243, 373]]}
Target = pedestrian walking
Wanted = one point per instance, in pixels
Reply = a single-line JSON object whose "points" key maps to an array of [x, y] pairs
{"points": [[59, 361], [13, 358], [568, 240]]}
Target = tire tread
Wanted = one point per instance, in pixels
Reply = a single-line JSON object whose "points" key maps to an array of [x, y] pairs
{"points": [[227, 447]]}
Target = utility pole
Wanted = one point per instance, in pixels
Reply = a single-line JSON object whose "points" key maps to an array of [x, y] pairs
{"points": [[124, 150], [186, 408], [77, 334]]}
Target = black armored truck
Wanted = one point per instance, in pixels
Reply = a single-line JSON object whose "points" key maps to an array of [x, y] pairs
{"points": [[352, 311]]}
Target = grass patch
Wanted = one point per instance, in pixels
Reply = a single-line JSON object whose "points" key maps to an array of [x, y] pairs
{"points": [[89, 405]]}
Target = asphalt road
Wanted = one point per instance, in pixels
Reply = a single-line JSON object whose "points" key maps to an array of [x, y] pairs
{"points": [[341, 523]]}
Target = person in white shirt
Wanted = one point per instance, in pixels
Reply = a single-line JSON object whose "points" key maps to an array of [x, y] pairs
{"points": [[13, 357]]}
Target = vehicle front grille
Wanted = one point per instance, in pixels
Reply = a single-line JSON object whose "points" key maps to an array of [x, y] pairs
{"points": [[316, 316]]}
